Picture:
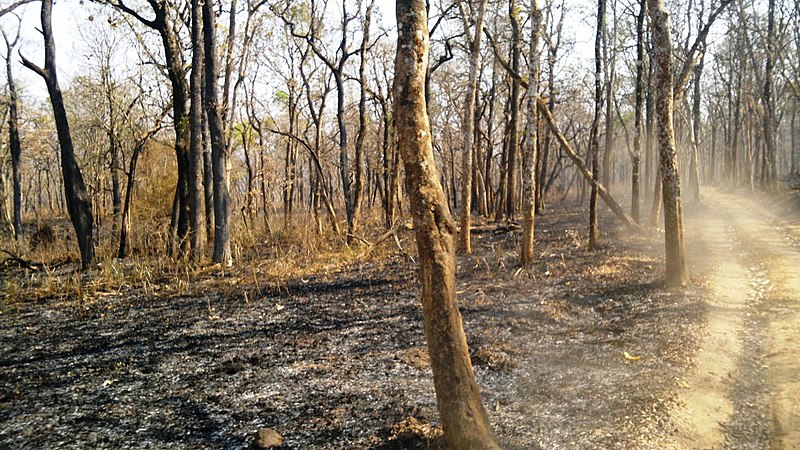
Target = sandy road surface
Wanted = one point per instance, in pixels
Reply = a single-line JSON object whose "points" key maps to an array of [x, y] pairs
{"points": [[744, 391]]}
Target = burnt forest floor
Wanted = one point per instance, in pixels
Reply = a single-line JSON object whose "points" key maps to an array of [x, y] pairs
{"points": [[585, 350]]}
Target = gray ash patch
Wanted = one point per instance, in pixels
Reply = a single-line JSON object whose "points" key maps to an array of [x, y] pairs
{"points": [[336, 361]]}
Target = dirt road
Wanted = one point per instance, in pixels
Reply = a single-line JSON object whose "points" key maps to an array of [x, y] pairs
{"points": [[744, 391]]}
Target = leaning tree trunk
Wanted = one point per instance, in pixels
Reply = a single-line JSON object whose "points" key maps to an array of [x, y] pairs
{"points": [[219, 153], [530, 149], [463, 417], [464, 241], [676, 273], [79, 204]]}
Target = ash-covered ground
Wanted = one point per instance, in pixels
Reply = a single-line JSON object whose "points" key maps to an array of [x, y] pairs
{"points": [[582, 351]]}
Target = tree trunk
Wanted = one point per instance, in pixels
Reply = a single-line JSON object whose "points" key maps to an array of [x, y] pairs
{"points": [[79, 204], [513, 138], [676, 273], [208, 178], [694, 161], [195, 172], [124, 226], [464, 240], [594, 234], [463, 417], [358, 184], [219, 153], [639, 105], [530, 148], [14, 141], [771, 166]]}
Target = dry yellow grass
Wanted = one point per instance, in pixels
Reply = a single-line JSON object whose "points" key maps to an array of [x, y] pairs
{"points": [[263, 261]]}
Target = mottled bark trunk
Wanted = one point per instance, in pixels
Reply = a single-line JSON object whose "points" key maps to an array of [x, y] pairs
{"points": [[79, 204], [530, 148], [463, 417], [219, 152], [676, 273]]}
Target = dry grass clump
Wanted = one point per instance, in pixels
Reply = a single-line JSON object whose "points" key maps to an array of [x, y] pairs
{"points": [[265, 258]]}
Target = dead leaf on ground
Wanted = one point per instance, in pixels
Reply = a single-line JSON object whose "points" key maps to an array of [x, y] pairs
{"points": [[630, 357]]}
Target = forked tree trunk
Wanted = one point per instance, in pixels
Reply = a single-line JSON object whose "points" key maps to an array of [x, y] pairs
{"points": [[676, 273], [79, 204], [530, 149], [463, 417], [14, 140]]}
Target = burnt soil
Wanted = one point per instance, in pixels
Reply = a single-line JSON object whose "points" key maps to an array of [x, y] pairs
{"points": [[581, 351]]}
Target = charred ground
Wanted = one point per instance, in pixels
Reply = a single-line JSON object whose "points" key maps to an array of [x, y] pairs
{"points": [[582, 351]]}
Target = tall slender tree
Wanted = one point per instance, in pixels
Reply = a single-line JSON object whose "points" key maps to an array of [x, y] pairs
{"points": [[79, 204], [196, 120], [219, 151], [474, 41], [15, 145], [530, 148], [638, 113], [594, 234]]}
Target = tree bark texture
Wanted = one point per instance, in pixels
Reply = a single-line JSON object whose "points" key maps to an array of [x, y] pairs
{"points": [[676, 273], [463, 417]]}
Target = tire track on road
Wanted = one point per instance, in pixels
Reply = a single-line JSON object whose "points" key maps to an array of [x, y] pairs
{"points": [[704, 404], [768, 244]]}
